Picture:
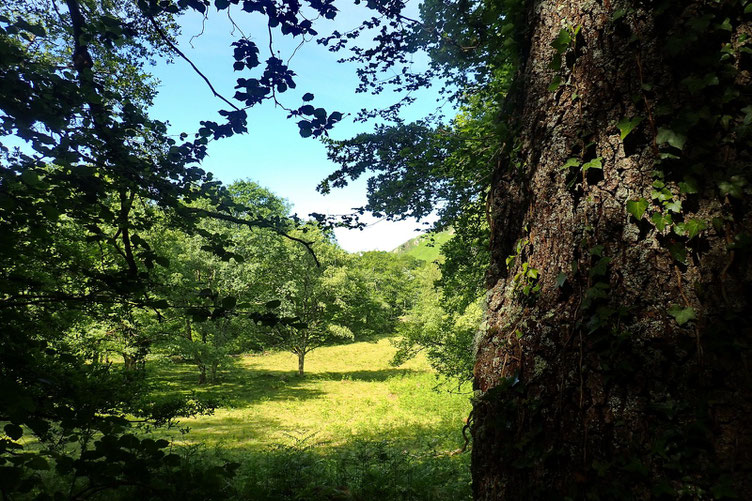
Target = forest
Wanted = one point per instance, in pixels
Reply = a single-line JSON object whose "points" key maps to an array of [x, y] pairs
{"points": [[573, 323]]}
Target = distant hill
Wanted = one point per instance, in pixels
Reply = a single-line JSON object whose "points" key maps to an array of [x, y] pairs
{"points": [[426, 247]]}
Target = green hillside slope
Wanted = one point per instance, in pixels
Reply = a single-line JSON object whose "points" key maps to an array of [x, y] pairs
{"points": [[426, 247]]}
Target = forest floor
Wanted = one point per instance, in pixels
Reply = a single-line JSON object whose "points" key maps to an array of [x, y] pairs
{"points": [[353, 422]]}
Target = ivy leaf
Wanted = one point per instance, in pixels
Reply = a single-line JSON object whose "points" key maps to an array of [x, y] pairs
{"points": [[571, 162], [555, 83], [734, 186], [689, 186], [667, 136], [682, 315], [741, 241], [662, 195], [562, 41], [673, 206], [627, 125], [660, 220], [600, 268], [561, 278], [691, 228], [678, 252], [637, 207], [555, 63], [307, 96], [596, 163]]}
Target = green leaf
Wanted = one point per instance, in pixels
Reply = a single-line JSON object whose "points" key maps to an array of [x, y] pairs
{"points": [[562, 41], [13, 431], [555, 83], [596, 163], [561, 279], [689, 186], [678, 251], [637, 207], [229, 302], [273, 304], [160, 303], [662, 195], [162, 261], [667, 136], [661, 221], [38, 463], [30, 177], [733, 187], [673, 206], [571, 162], [555, 63], [691, 228], [600, 267], [682, 315], [627, 125]]}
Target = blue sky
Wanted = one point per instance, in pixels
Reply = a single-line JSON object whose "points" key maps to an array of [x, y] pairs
{"points": [[272, 153]]}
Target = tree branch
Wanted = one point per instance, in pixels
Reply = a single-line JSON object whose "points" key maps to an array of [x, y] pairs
{"points": [[254, 224], [172, 46]]}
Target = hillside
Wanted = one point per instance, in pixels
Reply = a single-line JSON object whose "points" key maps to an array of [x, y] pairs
{"points": [[426, 247]]}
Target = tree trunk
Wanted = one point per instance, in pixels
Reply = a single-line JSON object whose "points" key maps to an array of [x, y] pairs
{"points": [[201, 373], [614, 363], [301, 362]]}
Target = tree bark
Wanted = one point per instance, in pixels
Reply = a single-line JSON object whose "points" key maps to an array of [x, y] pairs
{"points": [[301, 362], [625, 375]]}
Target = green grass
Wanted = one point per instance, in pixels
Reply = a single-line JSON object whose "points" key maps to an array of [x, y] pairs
{"points": [[425, 247], [349, 392], [352, 428]]}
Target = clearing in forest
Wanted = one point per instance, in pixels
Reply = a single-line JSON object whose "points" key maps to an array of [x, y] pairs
{"points": [[349, 392]]}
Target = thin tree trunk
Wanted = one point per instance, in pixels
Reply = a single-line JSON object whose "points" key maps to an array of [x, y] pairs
{"points": [[618, 369], [301, 362]]}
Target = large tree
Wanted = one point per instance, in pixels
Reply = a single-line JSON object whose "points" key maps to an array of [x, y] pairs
{"points": [[615, 360]]}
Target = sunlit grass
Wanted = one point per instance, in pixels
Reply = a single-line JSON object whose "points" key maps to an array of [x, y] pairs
{"points": [[349, 392]]}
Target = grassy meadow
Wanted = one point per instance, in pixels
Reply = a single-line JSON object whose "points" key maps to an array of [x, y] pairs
{"points": [[353, 427]]}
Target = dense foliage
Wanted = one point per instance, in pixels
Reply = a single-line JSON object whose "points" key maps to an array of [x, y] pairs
{"points": [[116, 243]]}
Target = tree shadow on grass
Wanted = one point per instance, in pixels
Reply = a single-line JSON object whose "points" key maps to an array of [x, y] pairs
{"points": [[241, 386], [364, 375]]}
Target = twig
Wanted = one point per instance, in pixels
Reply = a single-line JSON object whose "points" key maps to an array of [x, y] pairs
{"points": [[254, 224], [172, 46]]}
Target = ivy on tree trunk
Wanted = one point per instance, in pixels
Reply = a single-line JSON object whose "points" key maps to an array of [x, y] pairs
{"points": [[615, 359]]}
